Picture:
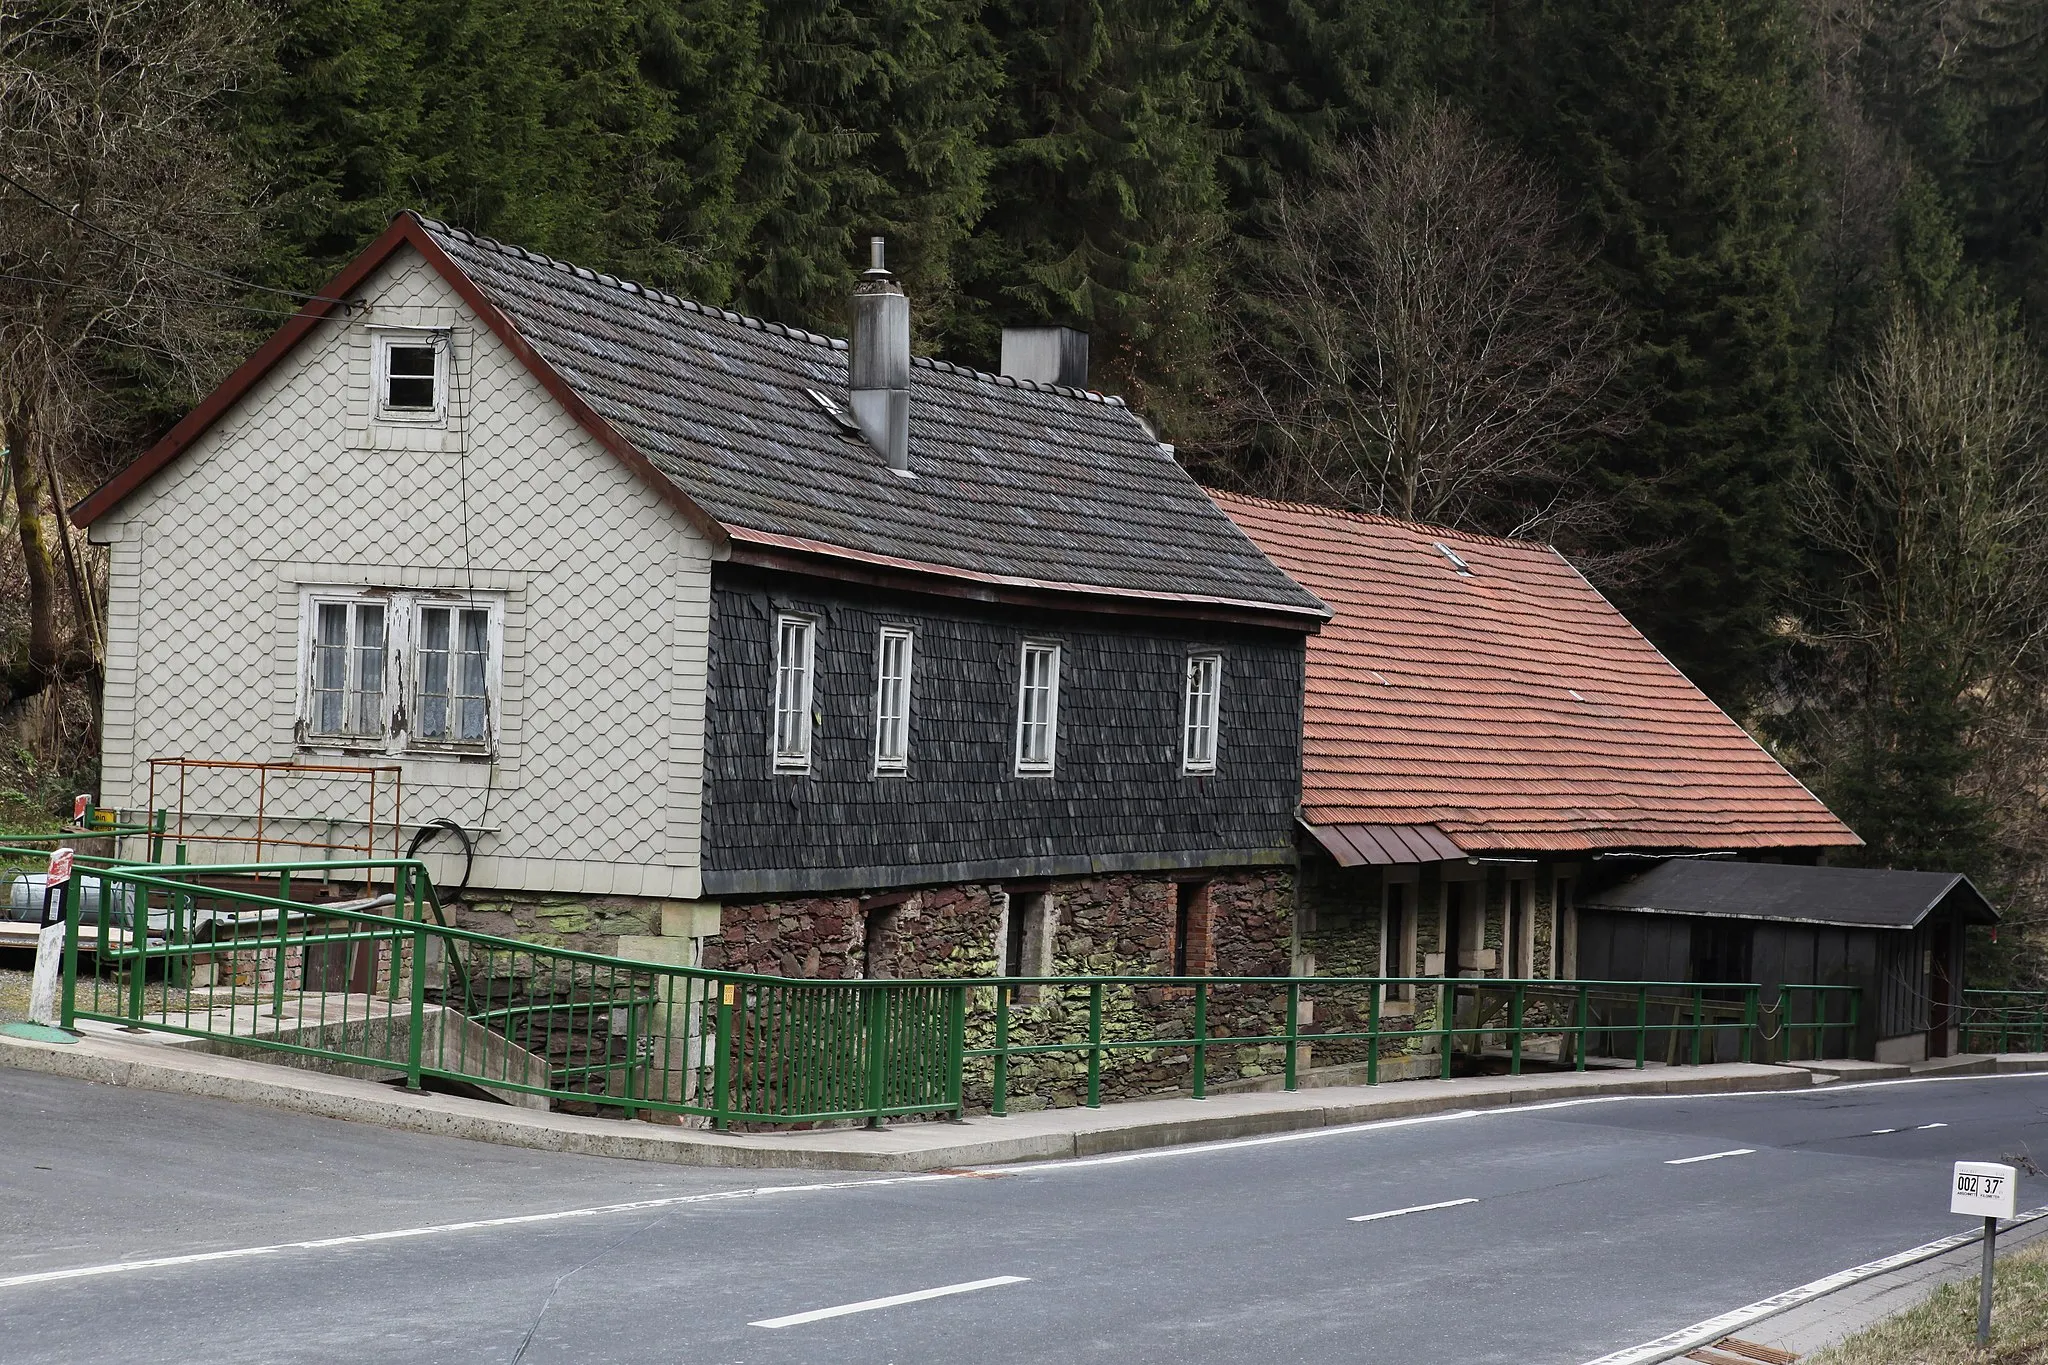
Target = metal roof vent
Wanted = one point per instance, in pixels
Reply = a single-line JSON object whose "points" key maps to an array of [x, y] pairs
{"points": [[836, 410], [1046, 355], [1457, 562], [878, 361]]}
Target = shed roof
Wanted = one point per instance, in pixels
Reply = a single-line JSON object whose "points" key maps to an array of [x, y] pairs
{"points": [[1481, 691], [1856, 897], [1020, 486]]}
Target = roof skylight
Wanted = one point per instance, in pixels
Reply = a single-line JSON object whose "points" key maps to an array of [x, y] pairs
{"points": [[1457, 562], [836, 410]]}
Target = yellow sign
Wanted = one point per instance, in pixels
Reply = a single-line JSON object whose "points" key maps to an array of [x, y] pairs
{"points": [[732, 994]]}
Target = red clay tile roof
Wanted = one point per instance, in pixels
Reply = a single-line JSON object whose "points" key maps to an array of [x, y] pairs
{"points": [[1511, 707]]}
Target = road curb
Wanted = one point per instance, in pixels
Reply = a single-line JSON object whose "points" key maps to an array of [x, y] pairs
{"points": [[1041, 1136]]}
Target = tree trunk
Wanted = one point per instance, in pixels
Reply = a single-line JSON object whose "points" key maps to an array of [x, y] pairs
{"points": [[44, 651]]}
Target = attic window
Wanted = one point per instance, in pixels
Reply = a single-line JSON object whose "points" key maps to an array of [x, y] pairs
{"points": [[411, 377], [836, 411], [1457, 562]]}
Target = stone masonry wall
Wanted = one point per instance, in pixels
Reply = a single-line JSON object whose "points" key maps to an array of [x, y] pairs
{"points": [[1118, 924]]}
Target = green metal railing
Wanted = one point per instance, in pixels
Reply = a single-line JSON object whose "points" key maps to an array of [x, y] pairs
{"points": [[2004, 1021], [350, 962], [375, 979], [1814, 1022]]}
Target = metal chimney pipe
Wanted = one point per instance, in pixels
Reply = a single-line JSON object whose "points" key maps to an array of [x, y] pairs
{"points": [[878, 361]]}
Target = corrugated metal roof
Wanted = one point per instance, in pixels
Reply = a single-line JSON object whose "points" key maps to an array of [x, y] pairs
{"points": [[1017, 483], [1512, 709], [1859, 897]]}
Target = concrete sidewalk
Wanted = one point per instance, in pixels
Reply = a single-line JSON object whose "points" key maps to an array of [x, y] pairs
{"points": [[112, 1057]]}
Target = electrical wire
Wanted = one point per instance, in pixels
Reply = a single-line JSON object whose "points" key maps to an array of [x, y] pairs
{"points": [[166, 257], [233, 304]]}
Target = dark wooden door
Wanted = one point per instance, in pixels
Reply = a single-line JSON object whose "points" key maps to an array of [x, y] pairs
{"points": [[1940, 991]]}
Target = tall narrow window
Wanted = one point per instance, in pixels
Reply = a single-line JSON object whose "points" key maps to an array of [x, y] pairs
{"points": [[1397, 941], [1192, 955], [892, 702], [454, 657], [1038, 708], [347, 684], [793, 694], [1198, 747]]}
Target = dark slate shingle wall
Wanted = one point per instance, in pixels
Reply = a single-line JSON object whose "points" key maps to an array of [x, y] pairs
{"points": [[1118, 798]]}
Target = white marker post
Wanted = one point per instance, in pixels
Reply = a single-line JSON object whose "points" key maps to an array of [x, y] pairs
{"points": [[42, 991], [1986, 1190]]}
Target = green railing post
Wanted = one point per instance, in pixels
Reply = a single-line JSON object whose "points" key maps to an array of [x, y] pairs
{"points": [[137, 955], [1201, 1040], [68, 1015], [999, 1086], [1515, 1043], [1095, 1045], [1783, 1051], [1447, 1005], [877, 1000], [1642, 1026], [721, 1058], [1749, 1010], [956, 1049], [1855, 1009], [1293, 1030], [416, 1024], [156, 835], [180, 932], [284, 895], [1698, 998], [1372, 1028]]}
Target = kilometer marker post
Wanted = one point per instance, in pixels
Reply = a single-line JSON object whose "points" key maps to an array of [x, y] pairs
{"points": [[1989, 1191]]}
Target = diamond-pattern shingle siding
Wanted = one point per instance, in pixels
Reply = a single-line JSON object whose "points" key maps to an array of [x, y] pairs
{"points": [[1512, 709], [607, 590], [1013, 482]]}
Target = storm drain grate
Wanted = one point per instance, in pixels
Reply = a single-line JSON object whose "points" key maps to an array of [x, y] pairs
{"points": [[1736, 1351]]}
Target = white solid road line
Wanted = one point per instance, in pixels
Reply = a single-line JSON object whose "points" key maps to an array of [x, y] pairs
{"points": [[869, 1305], [1713, 1156], [1674, 1344], [1418, 1208], [436, 1229]]}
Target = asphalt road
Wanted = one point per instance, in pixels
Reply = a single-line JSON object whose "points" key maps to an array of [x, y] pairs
{"points": [[1582, 1236]]}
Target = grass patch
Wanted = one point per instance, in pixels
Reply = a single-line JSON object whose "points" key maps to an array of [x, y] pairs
{"points": [[1943, 1329]]}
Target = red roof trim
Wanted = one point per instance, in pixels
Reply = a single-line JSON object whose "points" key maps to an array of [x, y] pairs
{"points": [[405, 230], [1300, 618]]}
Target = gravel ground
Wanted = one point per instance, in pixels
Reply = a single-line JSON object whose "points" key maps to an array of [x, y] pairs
{"points": [[13, 996]]}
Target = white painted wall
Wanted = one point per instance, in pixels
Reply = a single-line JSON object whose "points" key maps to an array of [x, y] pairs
{"points": [[597, 782]]}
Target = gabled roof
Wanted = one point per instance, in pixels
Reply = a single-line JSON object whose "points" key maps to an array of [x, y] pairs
{"points": [[1480, 691], [1856, 897], [1021, 488]]}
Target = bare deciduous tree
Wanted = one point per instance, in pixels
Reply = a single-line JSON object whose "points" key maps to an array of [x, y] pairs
{"points": [[117, 205], [1937, 503], [1425, 339]]}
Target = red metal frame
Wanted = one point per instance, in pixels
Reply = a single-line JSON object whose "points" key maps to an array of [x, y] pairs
{"points": [[389, 775]]}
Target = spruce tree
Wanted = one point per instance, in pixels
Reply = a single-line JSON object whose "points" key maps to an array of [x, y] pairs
{"points": [[2004, 75], [1105, 211], [1680, 126], [871, 123]]}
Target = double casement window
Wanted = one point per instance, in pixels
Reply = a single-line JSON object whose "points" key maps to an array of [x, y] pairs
{"points": [[795, 645], [1198, 723], [399, 671], [1038, 707], [892, 701], [410, 375]]}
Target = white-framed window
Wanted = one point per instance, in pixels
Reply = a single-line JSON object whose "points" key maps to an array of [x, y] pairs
{"points": [[1198, 723], [1038, 707], [795, 643], [892, 700], [399, 671], [409, 372]]}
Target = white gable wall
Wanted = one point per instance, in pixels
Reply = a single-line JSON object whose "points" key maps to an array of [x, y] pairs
{"points": [[597, 781]]}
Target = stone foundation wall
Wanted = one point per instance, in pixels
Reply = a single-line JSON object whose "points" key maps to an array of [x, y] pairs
{"points": [[1114, 924]]}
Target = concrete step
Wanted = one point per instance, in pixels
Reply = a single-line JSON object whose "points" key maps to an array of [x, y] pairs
{"points": [[1852, 1070], [2015, 1062], [1969, 1064]]}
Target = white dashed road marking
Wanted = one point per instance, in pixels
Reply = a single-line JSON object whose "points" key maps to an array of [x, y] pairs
{"points": [[869, 1305], [1712, 1156], [1417, 1208]]}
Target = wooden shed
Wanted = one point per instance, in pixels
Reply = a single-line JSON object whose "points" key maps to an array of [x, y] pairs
{"points": [[1897, 935]]}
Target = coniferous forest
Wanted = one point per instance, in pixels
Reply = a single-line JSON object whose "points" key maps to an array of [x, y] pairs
{"points": [[1742, 303]]}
